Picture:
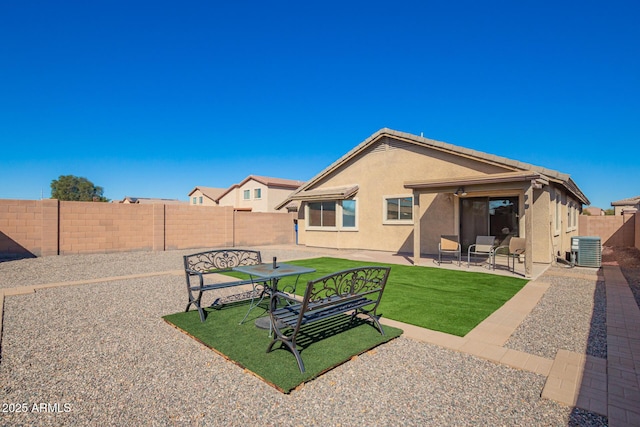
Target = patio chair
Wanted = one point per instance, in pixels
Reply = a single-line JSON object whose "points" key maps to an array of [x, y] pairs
{"points": [[515, 248], [484, 246], [449, 245]]}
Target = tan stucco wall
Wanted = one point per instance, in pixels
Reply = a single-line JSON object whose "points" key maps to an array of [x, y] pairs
{"points": [[618, 210], [275, 196], [636, 217], [542, 236], [561, 234], [269, 199], [205, 200], [382, 171]]}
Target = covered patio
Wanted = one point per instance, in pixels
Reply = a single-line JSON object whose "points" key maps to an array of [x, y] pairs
{"points": [[475, 203]]}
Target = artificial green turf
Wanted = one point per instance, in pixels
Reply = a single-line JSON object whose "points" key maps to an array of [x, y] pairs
{"points": [[443, 300], [323, 345]]}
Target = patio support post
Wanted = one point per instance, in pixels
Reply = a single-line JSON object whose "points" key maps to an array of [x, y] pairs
{"points": [[528, 231], [416, 227]]}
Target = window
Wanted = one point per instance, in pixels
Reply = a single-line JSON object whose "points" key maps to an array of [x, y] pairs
{"points": [[194, 200], [572, 217], [200, 200], [257, 193], [348, 213], [398, 209], [247, 194], [332, 215], [322, 214]]}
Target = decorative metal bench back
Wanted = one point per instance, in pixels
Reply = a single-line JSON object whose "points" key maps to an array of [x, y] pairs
{"points": [[336, 287], [223, 260]]}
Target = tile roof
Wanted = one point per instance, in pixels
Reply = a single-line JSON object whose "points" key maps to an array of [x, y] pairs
{"points": [[211, 192], [627, 202], [274, 182]]}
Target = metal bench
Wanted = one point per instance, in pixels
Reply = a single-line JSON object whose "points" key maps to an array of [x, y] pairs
{"points": [[357, 290], [219, 261]]}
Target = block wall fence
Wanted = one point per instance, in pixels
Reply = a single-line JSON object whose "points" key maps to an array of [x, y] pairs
{"points": [[52, 227], [613, 230]]}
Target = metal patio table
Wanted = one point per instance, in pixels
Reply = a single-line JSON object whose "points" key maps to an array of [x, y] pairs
{"points": [[271, 273]]}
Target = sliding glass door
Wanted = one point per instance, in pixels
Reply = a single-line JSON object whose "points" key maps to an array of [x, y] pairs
{"points": [[488, 216]]}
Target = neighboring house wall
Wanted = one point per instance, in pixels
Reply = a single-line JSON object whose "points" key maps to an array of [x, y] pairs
{"points": [[630, 204], [255, 196], [594, 211], [619, 210], [52, 227], [200, 199], [275, 196], [250, 195]]}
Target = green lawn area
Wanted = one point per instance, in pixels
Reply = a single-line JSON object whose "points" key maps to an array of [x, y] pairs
{"points": [[443, 300]]}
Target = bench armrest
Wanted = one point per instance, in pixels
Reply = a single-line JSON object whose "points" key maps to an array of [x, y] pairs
{"points": [[190, 273]]}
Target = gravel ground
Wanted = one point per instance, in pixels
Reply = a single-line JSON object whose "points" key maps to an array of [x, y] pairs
{"points": [[580, 323], [53, 269], [102, 352]]}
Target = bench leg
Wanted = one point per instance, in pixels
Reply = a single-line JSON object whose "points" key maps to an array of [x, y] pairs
{"points": [[291, 345], [371, 316], [196, 303]]}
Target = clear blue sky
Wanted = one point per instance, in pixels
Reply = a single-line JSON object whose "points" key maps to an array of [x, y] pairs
{"points": [[153, 98]]}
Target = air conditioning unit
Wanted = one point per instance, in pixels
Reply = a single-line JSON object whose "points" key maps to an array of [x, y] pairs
{"points": [[586, 251]]}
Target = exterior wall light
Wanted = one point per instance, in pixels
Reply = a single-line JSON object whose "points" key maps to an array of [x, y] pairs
{"points": [[460, 192]]}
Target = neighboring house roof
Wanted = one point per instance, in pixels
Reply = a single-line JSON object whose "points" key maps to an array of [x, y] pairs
{"points": [[149, 200], [210, 192], [268, 181], [541, 173], [594, 210], [631, 201]]}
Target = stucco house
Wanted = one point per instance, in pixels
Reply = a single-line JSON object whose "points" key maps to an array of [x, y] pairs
{"points": [[254, 193], [632, 204], [593, 211], [205, 196], [394, 186]]}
